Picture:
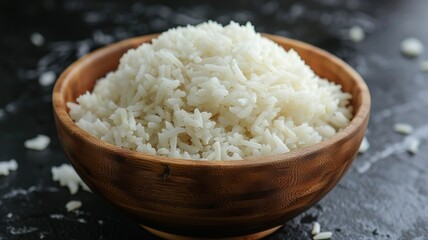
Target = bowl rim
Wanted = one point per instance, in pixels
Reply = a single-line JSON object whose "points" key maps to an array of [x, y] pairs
{"points": [[358, 120]]}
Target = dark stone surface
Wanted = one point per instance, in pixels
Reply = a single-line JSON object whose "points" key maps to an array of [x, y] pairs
{"points": [[388, 201]]}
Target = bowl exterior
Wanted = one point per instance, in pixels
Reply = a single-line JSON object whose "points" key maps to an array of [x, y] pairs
{"points": [[200, 198]]}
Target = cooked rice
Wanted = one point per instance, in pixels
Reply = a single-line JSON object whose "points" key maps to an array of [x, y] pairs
{"points": [[73, 205], [316, 228], [323, 235], [7, 166], [403, 128], [47, 78], [365, 145], [39, 143], [356, 34], [413, 146], [67, 176], [412, 47], [215, 93]]}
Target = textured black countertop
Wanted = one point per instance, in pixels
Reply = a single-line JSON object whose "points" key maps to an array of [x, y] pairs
{"points": [[388, 201]]}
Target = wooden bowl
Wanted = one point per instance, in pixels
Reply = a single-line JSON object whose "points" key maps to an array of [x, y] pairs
{"points": [[245, 199]]}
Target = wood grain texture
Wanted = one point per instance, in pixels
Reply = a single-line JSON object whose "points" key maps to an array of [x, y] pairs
{"points": [[204, 198]]}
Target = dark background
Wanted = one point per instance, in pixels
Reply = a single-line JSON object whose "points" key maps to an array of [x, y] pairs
{"points": [[389, 201]]}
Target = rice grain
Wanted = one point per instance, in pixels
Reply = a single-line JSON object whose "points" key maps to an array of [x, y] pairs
{"points": [[413, 146], [67, 176], [316, 229], [38, 143], [73, 205], [412, 47], [323, 235], [403, 128], [7, 166], [365, 145], [356, 34]]}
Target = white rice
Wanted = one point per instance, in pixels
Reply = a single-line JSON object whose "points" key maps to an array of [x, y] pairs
{"points": [[316, 228], [67, 176], [403, 128], [56, 216], [323, 235], [215, 93], [37, 39], [412, 47], [365, 145], [356, 34], [413, 146], [7, 166], [81, 220], [73, 205], [47, 78], [39, 143]]}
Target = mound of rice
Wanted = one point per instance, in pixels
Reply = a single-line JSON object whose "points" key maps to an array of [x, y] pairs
{"points": [[214, 93]]}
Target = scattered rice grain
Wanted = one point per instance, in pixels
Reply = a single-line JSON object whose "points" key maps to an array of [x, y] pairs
{"points": [[56, 216], [81, 220], [73, 205], [7, 166], [67, 176], [412, 47], [413, 146], [47, 78], [38, 143], [316, 228], [365, 145], [37, 39], [403, 128], [356, 34], [323, 235]]}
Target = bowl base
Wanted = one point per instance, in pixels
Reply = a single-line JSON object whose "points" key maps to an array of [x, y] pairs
{"points": [[253, 236]]}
